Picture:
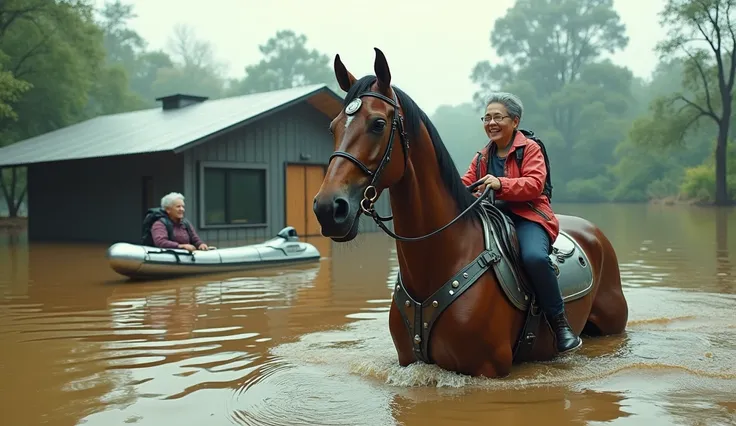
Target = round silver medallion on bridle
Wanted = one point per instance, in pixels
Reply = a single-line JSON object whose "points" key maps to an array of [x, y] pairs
{"points": [[353, 106]]}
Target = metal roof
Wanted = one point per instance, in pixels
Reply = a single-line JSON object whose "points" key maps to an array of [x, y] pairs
{"points": [[155, 130]]}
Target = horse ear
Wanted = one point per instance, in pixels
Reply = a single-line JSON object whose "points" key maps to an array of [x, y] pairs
{"points": [[380, 66], [344, 78]]}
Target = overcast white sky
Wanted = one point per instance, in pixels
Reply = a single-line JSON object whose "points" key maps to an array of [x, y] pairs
{"points": [[430, 49]]}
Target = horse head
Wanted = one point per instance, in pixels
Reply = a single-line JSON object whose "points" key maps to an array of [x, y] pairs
{"points": [[372, 150]]}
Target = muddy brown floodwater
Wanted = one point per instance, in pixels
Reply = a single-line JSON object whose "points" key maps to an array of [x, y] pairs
{"points": [[310, 345]]}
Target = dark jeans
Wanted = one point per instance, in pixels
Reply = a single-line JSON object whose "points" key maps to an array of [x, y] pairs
{"points": [[534, 245]]}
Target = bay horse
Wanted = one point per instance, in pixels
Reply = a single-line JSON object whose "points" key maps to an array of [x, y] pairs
{"points": [[460, 286]]}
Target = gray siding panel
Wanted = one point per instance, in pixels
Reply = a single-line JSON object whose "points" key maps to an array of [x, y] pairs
{"points": [[97, 200], [284, 137]]}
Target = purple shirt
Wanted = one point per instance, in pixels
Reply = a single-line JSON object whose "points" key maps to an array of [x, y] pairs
{"points": [[181, 236]]}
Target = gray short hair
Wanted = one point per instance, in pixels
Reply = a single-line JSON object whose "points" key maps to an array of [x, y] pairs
{"points": [[169, 199], [509, 100]]}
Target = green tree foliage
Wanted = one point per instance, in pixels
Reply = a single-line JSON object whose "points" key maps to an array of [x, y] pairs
{"points": [[647, 170], [702, 35], [122, 44], [128, 50], [577, 103], [56, 48], [11, 87], [11, 90], [125, 50], [699, 182], [60, 63], [551, 41], [286, 63], [146, 74]]}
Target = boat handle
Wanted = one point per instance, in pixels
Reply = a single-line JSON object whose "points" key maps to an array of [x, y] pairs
{"points": [[177, 254]]}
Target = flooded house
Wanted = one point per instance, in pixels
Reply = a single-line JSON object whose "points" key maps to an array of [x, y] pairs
{"points": [[247, 165]]}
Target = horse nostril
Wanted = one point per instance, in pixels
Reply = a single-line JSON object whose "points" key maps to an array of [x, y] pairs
{"points": [[341, 209]]}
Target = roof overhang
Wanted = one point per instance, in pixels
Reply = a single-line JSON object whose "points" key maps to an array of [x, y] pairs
{"points": [[323, 99]]}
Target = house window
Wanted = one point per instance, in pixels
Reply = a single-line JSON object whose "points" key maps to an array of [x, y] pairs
{"points": [[234, 196]]}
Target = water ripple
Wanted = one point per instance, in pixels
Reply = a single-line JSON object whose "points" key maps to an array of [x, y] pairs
{"points": [[275, 350], [668, 330], [154, 344], [280, 394]]}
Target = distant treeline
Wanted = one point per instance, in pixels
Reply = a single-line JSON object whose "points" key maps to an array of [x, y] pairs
{"points": [[62, 62], [610, 136]]}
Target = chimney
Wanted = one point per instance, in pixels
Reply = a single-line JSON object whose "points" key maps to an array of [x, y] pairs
{"points": [[179, 100]]}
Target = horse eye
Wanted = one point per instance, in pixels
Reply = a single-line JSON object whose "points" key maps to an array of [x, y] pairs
{"points": [[378, 126]]}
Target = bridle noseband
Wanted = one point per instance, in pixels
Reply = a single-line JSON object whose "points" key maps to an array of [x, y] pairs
{"points": [[368, 201]]}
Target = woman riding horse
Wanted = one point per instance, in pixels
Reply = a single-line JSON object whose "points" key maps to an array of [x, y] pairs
{"points": [[520, 190], [446, 308]]}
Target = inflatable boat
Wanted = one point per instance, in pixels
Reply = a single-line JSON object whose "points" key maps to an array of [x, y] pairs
{"points": [[137, 261]]}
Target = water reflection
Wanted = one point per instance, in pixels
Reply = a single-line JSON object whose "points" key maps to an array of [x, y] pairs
{"points": [[724, 277], [683, 247], [661, 397], [310, 344], [13, 262], [111, 347], [565, 405]]}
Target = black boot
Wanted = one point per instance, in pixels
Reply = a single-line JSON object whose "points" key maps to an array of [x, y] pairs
{"points": [[567, 341]]}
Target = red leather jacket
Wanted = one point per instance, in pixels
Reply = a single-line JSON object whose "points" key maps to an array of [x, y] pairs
{"points": [[521, 189]]}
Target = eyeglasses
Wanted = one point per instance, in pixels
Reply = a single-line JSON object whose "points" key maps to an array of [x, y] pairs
{"points": [[496, 118]]}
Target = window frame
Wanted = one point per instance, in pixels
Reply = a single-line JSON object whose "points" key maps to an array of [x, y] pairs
{"points": [[219, 165]]}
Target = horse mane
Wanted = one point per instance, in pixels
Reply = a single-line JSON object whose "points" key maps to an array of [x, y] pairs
{"points": [[414, 117]]}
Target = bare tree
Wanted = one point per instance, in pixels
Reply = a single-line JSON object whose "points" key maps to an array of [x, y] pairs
{"points": [[192, 52], [703, 31]]}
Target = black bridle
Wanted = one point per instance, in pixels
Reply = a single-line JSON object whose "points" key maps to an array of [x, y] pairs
{"points": [[397, 122]]}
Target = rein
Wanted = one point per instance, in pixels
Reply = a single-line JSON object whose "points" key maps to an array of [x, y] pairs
{"points": [[368, 202]]}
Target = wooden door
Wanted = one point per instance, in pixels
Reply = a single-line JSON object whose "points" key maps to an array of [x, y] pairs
{"points": [[302, 184], [295, 213], [314, 177]]}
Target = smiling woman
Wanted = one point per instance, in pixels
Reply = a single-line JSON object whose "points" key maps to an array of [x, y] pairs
{"points": [[167, 228], [520, 186]]}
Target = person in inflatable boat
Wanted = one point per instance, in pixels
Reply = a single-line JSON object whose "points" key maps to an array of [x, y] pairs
{"points": [[166, 227]]}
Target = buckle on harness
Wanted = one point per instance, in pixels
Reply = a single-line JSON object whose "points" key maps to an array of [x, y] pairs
{"points": [[489, 257]]}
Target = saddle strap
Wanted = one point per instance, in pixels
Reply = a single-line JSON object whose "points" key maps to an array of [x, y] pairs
{"points": [[528, 335], [419, 318]]}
